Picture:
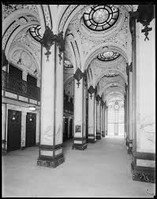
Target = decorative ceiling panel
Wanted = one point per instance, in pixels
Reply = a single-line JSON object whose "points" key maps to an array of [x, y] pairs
{"points": [[10, 8]]}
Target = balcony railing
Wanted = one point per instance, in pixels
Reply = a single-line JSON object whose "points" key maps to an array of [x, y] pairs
{"points": [[20, 87]]}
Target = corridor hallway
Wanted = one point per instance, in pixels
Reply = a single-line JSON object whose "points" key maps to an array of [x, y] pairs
{"points": [[102, 170]]}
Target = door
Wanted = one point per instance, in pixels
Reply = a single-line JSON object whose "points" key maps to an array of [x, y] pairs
{"points": [[65, 133], [14, 130], [30, 129], [71, 128]]}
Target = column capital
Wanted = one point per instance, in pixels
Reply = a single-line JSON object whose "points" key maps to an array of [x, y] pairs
{"points": [[49, 38], [91, 90]]}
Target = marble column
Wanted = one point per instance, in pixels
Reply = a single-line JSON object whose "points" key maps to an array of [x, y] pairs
{"points": [[95, 116], [51, 135], [143, 161], [98, 120], [79, 130], [130, 112], [37, 127], [4, 132], [127, 116], [104, 123], [107, 119], [91, 118], [23, 129], [102, 120]]}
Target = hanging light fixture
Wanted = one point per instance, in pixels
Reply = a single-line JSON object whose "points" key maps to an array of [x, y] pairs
{"points": [[91, 90], [144, 15], [49, 39], [78, 76]]}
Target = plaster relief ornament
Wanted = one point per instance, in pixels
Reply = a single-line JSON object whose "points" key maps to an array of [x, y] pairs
{"points": [[27, 41]]}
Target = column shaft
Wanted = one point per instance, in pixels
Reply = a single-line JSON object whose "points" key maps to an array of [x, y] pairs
{"points": [[51, 137], [79, 134], [91, 119], [98, 120]]}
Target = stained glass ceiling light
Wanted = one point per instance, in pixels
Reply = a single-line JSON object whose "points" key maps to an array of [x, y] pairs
{"points": [[100, 18], [35, 32], [108, 56]]}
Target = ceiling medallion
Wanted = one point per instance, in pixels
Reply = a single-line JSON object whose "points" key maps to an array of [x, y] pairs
{"points": [[100, 18], [108, 56]]}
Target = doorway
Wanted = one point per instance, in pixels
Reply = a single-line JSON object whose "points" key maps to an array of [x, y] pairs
{"points": [[14, 130], [30, 129]]}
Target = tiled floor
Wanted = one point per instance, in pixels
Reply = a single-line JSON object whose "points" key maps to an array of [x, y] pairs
{"points": [[102, 170]]}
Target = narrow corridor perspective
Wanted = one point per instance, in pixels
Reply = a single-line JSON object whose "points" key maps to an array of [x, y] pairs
{"points": [[101, 170]]}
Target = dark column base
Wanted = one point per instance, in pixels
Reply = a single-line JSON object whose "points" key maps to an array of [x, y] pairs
{"points": [[91, 138], [98, 135], [79, 143], [79, 146], [142, 174], [103, 133], [50, 162]]}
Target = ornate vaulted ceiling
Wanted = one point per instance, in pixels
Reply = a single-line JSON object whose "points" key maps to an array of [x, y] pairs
{"points": [[97, 40], [101, 41], [16, 38]]}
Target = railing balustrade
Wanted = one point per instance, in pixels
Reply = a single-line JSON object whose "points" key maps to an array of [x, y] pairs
{"points": [[20, 87]]}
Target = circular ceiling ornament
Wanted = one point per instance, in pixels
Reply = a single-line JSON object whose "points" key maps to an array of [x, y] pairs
{"points": [[100, 18], [108, 56]]}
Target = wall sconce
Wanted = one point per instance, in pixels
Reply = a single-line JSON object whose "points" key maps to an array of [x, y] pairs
{"points": [[144, 15], [32, 108], [13, 117], [78, 76], [49, 39], [30, 117], [91, 90]]}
